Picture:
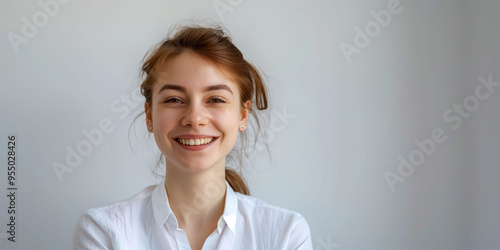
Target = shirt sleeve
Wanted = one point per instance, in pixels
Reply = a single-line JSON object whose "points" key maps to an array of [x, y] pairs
{"points": [[300, 235], [88, 234]]}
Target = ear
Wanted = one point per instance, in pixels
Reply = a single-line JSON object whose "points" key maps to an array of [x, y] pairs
{"points": [[149, 116], [245, 111]]}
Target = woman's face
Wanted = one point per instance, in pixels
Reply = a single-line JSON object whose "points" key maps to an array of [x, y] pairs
{"points": [[193, 100]]}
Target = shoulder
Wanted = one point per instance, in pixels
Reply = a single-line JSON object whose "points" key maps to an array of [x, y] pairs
{"points": [[260, 208], [122, 209], [270, 219], [100, 227]]}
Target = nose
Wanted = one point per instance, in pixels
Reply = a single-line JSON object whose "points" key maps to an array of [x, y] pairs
{"points": [[195, 115]]}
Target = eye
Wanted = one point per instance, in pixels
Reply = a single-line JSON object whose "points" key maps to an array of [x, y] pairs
{"points": [[172, 99], [218, 99]]}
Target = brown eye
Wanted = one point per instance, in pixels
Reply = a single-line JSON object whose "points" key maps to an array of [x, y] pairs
{"points": [[218, 99], [173, 100]]}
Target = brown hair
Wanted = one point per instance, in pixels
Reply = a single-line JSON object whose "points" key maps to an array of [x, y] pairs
{"points": [[213, 44]]}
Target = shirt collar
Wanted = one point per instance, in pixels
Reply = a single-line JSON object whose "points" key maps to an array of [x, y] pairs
{"points": [[230, 211], [162, 212]]}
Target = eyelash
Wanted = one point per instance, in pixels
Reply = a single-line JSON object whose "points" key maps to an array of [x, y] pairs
{"points": [[214, 98]]}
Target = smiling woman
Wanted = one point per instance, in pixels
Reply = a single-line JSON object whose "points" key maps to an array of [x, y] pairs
{"points": [[200, 93]]}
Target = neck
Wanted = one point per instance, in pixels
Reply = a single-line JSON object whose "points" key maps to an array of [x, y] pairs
{"points": [[196, 199]]}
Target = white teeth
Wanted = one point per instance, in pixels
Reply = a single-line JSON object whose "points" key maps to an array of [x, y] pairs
{"points": [[193, 142]]}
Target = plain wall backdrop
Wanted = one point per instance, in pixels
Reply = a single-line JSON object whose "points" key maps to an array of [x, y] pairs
{"points": [[356, 87]]}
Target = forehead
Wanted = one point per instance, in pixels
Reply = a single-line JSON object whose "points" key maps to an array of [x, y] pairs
{"points": [[193, 72]]}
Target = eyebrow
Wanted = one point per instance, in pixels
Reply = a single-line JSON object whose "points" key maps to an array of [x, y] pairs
{"points": [[182, 89]]}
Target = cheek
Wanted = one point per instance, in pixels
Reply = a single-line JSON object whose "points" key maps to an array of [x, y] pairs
{"points": [[165, 120], [227, 120]]}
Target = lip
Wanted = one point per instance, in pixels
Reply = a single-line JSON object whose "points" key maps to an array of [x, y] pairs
{"points": [[196, 147]]}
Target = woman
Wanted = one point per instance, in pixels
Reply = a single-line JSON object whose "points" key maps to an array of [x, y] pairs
{"points": [[199, 93]]}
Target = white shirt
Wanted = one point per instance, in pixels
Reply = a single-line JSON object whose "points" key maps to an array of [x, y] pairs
{"points": [[145, 221]]}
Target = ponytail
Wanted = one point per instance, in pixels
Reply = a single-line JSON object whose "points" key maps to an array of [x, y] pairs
{"points": [[236, 182]]}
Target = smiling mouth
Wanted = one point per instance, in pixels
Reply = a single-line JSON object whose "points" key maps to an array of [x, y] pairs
{"points": [[196, 142]]}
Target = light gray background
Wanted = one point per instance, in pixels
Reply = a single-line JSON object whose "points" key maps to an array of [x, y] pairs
{"points": [[351, 120]]}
